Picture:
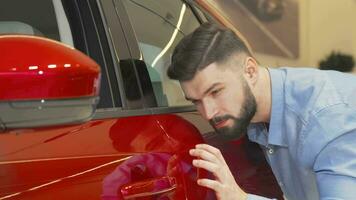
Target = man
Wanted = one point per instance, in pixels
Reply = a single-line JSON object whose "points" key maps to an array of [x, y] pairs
{"points": [[304, 119]]}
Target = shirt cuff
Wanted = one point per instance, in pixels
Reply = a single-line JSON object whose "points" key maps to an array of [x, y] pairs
{"points": [[256, 197]]}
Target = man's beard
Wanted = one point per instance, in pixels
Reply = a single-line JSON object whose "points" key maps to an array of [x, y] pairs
{"points": [[239, 124]]}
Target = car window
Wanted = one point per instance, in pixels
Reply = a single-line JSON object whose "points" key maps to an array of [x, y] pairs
{"points": [[202, 15], [159, 25], [38, 17]]}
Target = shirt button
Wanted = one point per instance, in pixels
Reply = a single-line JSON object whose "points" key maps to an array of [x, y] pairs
{"points": [[270, 151]]}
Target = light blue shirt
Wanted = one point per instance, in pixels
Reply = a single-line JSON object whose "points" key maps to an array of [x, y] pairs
{"points": [[311, 142]]}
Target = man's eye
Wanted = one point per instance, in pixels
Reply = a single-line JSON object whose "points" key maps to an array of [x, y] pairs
{"points": [[216, 92], [195, 102]]}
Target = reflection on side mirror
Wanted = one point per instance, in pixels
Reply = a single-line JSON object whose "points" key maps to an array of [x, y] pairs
{"points": [[44, 82]]}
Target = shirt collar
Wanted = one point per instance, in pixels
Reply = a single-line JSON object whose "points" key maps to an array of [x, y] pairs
{"points": [[257, 133], [275, 135]]}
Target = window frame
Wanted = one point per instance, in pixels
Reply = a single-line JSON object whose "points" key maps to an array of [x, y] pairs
{"points": [[124, 45], [94, 44], [133, 42]]}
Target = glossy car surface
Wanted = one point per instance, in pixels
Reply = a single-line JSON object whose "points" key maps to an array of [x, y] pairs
{"points": [[62, 75], [52, 84], [136, 146]]}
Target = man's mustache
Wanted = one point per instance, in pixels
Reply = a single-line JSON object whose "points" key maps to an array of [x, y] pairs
{"points": [[218, 119]]}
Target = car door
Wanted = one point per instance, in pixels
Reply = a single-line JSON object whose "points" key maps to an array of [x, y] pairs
{"points": [[156, 26], [177, 134]]}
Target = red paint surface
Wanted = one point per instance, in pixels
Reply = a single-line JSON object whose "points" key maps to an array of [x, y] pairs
{"points": [[98, 159], [64, 162], [38, 68]]}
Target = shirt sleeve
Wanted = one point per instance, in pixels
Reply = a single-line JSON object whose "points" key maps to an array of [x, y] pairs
{"points": [[256, 197], [335, 168]]}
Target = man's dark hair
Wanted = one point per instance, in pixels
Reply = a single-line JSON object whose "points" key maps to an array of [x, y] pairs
{"points": [[207, 44]]}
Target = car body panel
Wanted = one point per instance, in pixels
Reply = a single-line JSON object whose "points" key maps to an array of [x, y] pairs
{"points": [[35, 160]]}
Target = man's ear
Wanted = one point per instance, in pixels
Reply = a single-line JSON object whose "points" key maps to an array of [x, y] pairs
{"points": [[251, 72]]}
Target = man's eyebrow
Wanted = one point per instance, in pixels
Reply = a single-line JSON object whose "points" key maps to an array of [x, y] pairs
{"points": [[189, 99], [206, 92], [211, 88]]}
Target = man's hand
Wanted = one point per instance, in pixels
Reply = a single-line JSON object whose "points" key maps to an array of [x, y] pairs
{"points": [[224, 185]]}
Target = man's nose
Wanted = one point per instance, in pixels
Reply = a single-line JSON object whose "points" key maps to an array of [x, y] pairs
{"points": [[209, 109]]}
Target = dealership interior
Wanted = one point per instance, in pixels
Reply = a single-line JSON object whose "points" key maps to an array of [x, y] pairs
{"points": [[304, 34]]}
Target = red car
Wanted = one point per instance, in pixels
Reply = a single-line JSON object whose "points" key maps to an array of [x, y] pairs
{"points": [[59, 141]]}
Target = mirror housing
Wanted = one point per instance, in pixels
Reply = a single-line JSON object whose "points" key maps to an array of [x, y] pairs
{"points": [[44, 82]]}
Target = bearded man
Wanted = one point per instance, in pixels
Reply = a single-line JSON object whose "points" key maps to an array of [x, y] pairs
{"points": [[303, 119]]}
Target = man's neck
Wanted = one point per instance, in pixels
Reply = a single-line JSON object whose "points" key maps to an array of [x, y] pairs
{"points": [[263, 96]]}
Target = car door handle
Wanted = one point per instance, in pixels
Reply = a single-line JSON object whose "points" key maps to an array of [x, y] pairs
{"points": [[149, 187]]}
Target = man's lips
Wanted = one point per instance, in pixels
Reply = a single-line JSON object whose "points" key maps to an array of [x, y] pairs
{"points": [[220, 124]]}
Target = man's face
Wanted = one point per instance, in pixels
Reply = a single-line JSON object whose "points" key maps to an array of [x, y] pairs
{"points": [[223, 97]]}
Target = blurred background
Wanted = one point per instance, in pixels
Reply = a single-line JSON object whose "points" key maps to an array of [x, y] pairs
{"points": [[301, 33]]}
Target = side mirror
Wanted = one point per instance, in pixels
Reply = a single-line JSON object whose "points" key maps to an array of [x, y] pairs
{"points": [[44, 82]]}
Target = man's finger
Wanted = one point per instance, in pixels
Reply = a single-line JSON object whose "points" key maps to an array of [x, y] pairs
{"points": [[209, 166], [208, 183], [203, 154], [216, 152]]}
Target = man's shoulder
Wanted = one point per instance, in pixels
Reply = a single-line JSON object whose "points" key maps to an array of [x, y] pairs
{"points": [[311, 90], [325, 101], [325, 126]]}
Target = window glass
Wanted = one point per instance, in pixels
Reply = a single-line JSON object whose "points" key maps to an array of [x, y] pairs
{"points": [[201, 15], [159, 25], [35, 17]]}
